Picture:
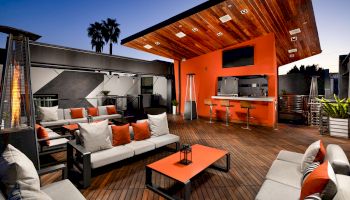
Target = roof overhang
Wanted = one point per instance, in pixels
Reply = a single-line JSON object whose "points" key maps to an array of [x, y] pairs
{"points": [[218, 24]]}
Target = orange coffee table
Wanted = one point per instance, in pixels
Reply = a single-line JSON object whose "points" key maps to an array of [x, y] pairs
{"points": [[202, 158]]}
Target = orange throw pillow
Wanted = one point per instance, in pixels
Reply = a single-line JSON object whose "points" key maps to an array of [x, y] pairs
{"points": [[121, 135], [92, 111], [76, 113], [321, 180], [43, 134], [111, 110], [321, 154], [141, 131]]}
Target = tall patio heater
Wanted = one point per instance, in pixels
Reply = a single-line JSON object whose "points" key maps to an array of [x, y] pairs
{"points": [[16, 100], [190, 99]]}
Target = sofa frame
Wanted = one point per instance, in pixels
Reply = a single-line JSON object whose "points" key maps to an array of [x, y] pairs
{"points": [[79, 157]]}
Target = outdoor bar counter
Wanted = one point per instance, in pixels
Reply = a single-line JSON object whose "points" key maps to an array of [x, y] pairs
{"points": [[261, 113]]}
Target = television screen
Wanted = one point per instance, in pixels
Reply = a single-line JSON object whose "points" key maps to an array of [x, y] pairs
{"points": [[238, 57]]}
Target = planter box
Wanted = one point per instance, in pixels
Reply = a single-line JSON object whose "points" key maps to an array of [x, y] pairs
{"points": [[174, 110], [339, 127]]}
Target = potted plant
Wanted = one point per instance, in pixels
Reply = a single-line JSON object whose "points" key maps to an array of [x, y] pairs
{"points": [[338, 112], [175, 103]]}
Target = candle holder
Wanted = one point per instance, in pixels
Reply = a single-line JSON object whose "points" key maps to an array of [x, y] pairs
{"points": [[90, 119], [186, 154]]}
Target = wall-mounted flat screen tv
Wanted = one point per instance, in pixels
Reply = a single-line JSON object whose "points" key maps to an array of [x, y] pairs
{"points": [[238, 57]]}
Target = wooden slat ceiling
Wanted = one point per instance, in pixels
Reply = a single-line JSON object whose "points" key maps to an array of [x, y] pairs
{"points": [[206, 33]]}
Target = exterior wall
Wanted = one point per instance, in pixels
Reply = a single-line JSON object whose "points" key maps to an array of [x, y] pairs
{"points": [[208, 68]]}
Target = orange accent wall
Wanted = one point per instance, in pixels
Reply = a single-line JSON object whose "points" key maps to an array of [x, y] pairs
{"points": [[208, 68]]}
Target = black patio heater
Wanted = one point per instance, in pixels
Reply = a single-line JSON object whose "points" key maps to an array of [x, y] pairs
{"points": [[16, 100]]}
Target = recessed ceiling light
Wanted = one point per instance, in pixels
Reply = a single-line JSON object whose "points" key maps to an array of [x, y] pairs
{"points": [[295, 31], [180, 26], [147, 46], [157, 43], [292, 50], [244, 11], [291, 55], [305, 22], [229, 5], [183, 59], [180, 34], [195, 29], [225, 18], [219, 34], [294, 38]]}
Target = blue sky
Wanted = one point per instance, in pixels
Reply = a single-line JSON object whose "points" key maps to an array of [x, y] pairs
{"points": [[64, 22]]}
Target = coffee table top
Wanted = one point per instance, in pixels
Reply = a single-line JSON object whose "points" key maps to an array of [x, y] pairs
{"points": [[202, 158]]}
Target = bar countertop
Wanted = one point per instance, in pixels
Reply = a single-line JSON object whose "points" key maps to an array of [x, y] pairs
{"points": [[266, 99]]}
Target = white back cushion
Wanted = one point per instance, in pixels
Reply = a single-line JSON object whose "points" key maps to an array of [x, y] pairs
{"points": [[102, 110], [60, 114], [95, 136], [158, 124], [310, 155], [67, 113], [48, 113]]}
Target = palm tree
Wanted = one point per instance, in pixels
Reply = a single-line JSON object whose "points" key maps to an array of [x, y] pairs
{"points": [[95, 33], [110, 32]]}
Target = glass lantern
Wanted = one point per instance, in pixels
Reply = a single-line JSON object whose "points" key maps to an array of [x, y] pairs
{"points": [[186, 154]]}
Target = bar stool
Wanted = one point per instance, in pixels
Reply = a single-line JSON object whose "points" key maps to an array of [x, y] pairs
{"points": [[209, 102], [227, 105], [247, 105]]}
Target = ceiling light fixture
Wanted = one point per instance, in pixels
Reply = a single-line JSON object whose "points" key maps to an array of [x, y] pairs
{"points": [[180, 26], [147, 46], [194, 29], [295, 31], [225, 18], [244, 11], [294, 38], [180, 34], [157, 43], [291, 55], [292, 50], [219, 34], [229, 5]]}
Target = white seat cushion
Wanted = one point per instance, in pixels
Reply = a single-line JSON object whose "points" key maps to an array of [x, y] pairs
{"points": [[54, 123], [78, 120], [163, 140], [62, 190], [271, 190], [113, 116], [100, 117], [141, 146], [290, 156], [56, 142], [108, 156], [286, 173]]}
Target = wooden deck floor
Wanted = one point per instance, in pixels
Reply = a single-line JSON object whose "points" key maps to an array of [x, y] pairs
{"points": [[252, 153]]}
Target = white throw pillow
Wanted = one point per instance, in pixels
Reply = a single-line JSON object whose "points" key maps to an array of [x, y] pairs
{"points": [[310, 154], [95, 136], [158, 124], [48, 113], [19, 175]]}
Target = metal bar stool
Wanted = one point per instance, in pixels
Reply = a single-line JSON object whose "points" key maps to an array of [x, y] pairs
{"points": [[247, 105], [209, 102], [227, 105]]}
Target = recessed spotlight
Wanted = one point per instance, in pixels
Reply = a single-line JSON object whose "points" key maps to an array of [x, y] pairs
{"points": [[219, 34], [244, 11], [294, 38], [180, 26], [229, 5], [195, 29], [147, 46], [292, 50], [180, 34], [225, 18], [157, 43], [183, 59], [295, 31], [291, 55], [305, 22]]}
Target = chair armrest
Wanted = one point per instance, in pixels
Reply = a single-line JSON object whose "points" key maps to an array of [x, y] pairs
{"points": [[54, 168], [78, 147], [53, 138]]}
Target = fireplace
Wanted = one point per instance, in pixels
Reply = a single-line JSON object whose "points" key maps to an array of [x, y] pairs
{"points": [[16, 103]]}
